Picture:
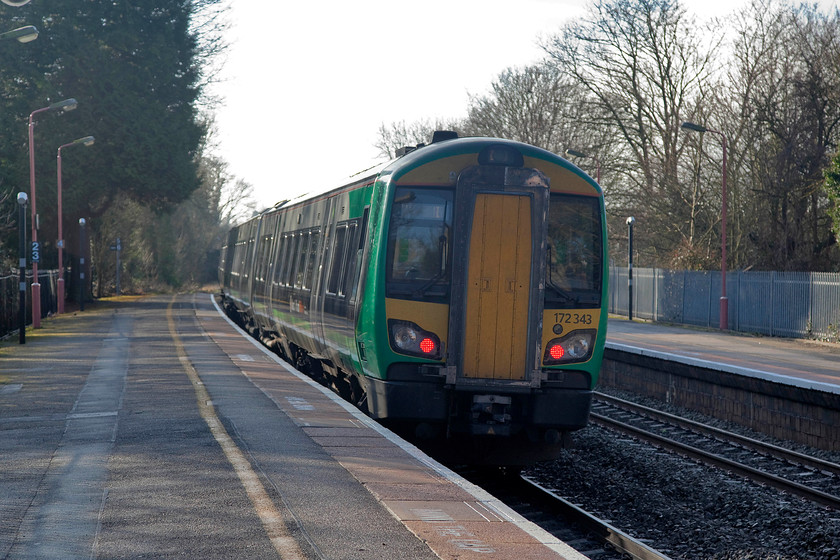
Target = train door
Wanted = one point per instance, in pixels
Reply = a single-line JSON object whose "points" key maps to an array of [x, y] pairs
{"points": [[498, 287], [323, 252], [498, 266]]}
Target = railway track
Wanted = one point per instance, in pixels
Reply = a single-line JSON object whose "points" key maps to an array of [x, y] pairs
{"points": [[810, 477], [593, 537]]}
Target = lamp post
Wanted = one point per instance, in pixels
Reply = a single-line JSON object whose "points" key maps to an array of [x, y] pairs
{"points": [[22, 34], [630, 221], [82, 253], [66, 105], [575, 153], [86, 141], [724, 301], [22, 199]]}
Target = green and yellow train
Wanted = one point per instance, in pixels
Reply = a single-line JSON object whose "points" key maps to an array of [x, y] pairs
{"points": [[459, 289]]}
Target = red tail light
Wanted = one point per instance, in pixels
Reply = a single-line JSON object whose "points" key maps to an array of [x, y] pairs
{"points": [[408, 338], [577, 346], [428, 345]]}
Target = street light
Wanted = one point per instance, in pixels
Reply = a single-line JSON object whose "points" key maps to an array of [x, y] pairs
{"points": [[22, 199], [15, 3], [724, 301], [22, 34], [575, 153], [66, 105], [86, 141], [630, 221], [82, 252]]}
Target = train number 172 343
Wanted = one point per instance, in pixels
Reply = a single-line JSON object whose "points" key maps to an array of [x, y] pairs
{"points": [[573, 318]]}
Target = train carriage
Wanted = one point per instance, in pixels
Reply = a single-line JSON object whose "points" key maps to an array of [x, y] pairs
{"points": [[459, 289]]}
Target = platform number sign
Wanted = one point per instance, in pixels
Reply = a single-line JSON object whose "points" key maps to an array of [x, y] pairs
{"points": [[36, 251]]}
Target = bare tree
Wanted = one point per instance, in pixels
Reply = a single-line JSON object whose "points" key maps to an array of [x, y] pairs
{"points": [[229, 200], [401, 134], [8, 223], [832, 189], [645, 68], [531, 104], [785, 86]]}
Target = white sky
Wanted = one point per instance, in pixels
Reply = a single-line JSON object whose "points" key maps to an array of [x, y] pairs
{"points": [[307, 83]]}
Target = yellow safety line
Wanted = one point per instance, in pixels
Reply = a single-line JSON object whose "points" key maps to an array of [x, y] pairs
{"points": [[272, 520]]}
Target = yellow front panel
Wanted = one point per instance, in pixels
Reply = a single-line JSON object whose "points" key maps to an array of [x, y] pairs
{"points": [[498, 288], [558, 323], [433, 317]]}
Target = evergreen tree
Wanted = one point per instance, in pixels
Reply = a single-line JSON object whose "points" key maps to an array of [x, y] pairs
{"points": [[135, 69]]}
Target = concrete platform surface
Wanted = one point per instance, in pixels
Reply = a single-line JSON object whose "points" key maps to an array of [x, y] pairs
{"points": [[152, 428], [801, 363]]}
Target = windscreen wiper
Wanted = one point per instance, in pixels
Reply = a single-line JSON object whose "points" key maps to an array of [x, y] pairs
{"points": [[562, 293], [557, 289], [421, 291]]}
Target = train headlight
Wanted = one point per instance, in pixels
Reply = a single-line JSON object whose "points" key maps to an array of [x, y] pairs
{"points": [[575, 347], [408, 338]]}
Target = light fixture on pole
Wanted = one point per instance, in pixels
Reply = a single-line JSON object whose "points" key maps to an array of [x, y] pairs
{"points": [[86, 141], [22, 34], [575, 153], [15, 3], [630, 221], [66, 105], [22, 199], [724, 301], [82, 252]]}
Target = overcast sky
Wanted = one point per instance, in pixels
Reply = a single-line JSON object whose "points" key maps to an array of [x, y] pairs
{"points": [[307, 83]]}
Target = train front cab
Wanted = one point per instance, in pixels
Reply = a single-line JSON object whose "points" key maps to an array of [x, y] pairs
{"points": [[493, 285]]}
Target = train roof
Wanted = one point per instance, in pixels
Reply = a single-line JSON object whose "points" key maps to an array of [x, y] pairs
{"points": [[444, 143]]}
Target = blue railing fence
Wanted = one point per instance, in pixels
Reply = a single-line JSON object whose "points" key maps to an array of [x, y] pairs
{"points": [[789, 304]]}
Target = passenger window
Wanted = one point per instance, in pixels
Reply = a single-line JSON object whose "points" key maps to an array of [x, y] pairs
{"points": [[281, 261], [291, 260], [301, 259], [339, 252], [311, 260], [351, 258], [264, 257]]}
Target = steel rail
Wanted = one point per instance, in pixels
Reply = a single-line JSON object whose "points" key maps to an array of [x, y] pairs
{"points": [[713, 459], [750, 443], [620, 540]]}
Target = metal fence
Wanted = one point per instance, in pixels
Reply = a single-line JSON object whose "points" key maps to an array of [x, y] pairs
{"points": [[791, 304], [10, 302]]}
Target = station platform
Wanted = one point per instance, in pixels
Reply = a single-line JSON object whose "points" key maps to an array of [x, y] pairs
{"points": [[153, 427], [801, 363]]}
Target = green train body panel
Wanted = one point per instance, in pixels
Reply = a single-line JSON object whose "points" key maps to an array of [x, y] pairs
{"points": [[552, 274], [373, 315]]}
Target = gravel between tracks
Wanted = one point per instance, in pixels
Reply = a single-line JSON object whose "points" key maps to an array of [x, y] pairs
{"points": [[685, 509]]}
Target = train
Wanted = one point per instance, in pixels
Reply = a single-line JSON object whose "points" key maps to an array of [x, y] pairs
{"points": [[457, 292]]}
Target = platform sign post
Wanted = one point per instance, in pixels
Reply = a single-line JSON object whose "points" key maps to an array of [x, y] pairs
{"points": [[22, 199], [117, 247]]}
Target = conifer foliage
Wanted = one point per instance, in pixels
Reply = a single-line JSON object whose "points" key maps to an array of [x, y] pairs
{"points": [[138, 71]]}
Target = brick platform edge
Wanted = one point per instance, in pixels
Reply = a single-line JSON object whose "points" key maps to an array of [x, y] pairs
{"points": [[806, 416]]}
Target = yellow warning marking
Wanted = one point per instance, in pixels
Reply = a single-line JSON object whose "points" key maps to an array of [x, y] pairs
{"points": [[271, 518]]}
